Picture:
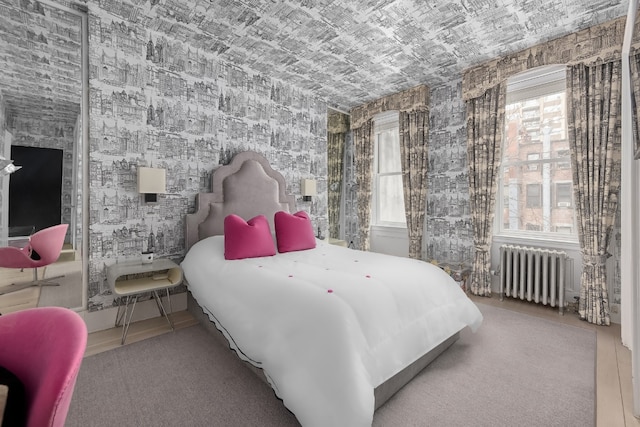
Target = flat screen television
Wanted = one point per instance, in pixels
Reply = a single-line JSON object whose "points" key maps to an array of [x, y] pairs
{"points": [[35, 190]]}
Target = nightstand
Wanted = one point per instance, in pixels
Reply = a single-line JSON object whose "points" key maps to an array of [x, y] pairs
{"points": [[337, 242], [131, 279]]}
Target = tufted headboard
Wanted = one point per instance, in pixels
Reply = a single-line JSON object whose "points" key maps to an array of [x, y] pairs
{"points": [[247, 187]]}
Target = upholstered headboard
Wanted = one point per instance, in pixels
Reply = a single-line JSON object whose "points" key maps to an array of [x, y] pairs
{"points": [[247, 187]]}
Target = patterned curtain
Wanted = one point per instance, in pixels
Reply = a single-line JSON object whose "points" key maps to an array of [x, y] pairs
{"points": [[363, 156], [593, 104], [634, 64], [485, 122], [335, 157], [414, 134]]}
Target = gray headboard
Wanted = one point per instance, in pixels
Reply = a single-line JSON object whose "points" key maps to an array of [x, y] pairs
{"points": [[247, 187]]}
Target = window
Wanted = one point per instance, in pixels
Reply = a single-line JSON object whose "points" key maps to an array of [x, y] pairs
{"points": [[533, 195], [563, 194], [388, 191], [536, 178], [564, 154]]}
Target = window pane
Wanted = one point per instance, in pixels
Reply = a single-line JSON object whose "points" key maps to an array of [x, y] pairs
{"points": [[389, 151], [536, 177], [533, 196], [391, 199], [564, 194]]}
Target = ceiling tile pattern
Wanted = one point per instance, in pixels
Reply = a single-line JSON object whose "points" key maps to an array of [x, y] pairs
{"points": [[350, 52]]}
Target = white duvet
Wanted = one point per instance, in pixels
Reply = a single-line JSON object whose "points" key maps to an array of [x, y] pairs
{"points": [[330, 324]]}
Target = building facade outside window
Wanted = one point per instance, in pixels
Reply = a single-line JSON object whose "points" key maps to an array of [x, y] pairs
{"points": [[536, 178]]}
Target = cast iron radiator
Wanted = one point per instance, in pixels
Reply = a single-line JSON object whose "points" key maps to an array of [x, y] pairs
{"points": [[533, 274]]}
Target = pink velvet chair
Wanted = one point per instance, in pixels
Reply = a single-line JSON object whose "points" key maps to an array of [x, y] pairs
{"points": [[44, 348], [43, 248]]}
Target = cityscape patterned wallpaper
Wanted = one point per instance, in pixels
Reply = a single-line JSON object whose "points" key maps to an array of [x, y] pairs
{"points": [[448, 238], [184, 85], [353, 51], [448, 232], [157, 101]]}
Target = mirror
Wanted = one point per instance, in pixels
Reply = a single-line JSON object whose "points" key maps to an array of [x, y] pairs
{"points": [[44, 129]]}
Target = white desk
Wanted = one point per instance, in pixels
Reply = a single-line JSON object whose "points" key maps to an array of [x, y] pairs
{"points": [[131, 279]]}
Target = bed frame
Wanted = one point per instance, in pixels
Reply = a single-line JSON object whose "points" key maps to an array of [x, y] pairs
{"points": [[248, 187]]}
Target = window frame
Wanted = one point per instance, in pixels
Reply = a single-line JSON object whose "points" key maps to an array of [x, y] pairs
{"points": [[383, 122], [526, 85]]}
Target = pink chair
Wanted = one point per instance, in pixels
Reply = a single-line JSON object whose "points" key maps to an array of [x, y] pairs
{"points": [[44, 348], [43, 249]]}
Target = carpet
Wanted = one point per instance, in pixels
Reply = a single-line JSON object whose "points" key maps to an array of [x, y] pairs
{"points": [[517, 370]]}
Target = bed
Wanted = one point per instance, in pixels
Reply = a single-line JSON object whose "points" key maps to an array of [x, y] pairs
{"points": [[334, 331]]}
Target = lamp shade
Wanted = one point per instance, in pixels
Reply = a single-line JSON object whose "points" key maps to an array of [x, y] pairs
{"points": [[151, 180], [308, 187]]}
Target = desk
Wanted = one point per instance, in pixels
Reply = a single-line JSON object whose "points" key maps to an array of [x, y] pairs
{"points": [[131, 279]]}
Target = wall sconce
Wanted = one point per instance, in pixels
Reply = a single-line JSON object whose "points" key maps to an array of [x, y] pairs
{"points": [[151, 181], [7, 167], [308, 189]]}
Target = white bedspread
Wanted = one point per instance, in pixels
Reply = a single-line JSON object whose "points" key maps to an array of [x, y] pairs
{"points": [[330, 324]]}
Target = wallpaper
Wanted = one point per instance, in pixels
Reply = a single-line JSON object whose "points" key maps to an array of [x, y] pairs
{"points": [[352, 51], [157, 101], [447, 238], [448, 233], [185, 85]]}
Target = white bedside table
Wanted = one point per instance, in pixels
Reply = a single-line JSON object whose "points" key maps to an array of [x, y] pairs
{"points": [[152, 277], [337, 242]]}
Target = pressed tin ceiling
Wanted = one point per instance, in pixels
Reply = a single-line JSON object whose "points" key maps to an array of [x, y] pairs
{"points": [[352, 52]]}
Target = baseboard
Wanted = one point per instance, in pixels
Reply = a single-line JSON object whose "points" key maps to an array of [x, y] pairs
{"points": [[105, 319]]}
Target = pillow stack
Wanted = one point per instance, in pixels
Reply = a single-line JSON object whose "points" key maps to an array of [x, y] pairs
{"points": [[252, 239]]}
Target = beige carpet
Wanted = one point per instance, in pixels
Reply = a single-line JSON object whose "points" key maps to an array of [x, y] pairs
{"points": [[517, 370]]}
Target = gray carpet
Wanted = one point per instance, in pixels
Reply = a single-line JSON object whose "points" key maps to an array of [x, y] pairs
{"points": [[517, 370], [68, 294]]}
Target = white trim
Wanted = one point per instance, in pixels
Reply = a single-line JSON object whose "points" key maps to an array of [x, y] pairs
{"points": [[629, 209], [527, 84], [386, 120], [520, 240]]}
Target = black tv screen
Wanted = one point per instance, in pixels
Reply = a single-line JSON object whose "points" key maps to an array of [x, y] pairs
{"points": [[35, 190]]}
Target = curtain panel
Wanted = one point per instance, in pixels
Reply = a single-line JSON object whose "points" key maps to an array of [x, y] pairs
{"points": [[634, 65], [335, 160], [363, 157], [414, 99], [594, 98], [485, 122], [414, 136]]}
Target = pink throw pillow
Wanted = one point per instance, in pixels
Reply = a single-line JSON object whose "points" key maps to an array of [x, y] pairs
{"points": [[294, 232], [247, 239]]}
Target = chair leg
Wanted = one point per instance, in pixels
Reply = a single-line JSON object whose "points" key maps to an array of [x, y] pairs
{"points": [[161, 309], [16, 287], [127, 321]]}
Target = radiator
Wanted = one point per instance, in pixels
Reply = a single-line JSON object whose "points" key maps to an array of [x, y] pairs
{"points": [[533, 274]]}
